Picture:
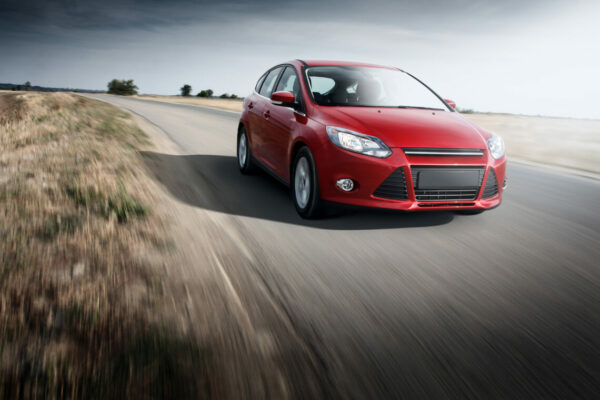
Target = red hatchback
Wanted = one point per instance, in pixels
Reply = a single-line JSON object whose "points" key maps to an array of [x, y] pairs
{"points": [[367, 135]]}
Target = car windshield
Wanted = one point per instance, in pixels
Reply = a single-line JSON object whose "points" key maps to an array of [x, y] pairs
{"points": [[369, 87]]}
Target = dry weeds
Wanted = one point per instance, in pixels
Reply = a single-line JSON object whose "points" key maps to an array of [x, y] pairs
{"points": [[79, 240]]}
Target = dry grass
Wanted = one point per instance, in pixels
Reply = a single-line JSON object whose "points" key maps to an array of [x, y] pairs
{"points": [[79, 237]]}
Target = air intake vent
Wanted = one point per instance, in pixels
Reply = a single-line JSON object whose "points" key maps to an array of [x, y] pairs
{"points": [[491, 185], [394, 187]]}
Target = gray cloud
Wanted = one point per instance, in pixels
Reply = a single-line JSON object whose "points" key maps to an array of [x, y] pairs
{"points": [[532, 57], [150, 14]]}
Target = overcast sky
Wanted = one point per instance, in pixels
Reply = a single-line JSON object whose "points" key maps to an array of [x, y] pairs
{"points": [[526, 56]]}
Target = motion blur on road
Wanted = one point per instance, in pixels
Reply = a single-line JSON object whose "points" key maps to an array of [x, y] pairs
{"points": [[381, 304]]}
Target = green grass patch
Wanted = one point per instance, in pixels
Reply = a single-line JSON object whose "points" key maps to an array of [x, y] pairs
{"points": [[55, 225], [119, 204]]}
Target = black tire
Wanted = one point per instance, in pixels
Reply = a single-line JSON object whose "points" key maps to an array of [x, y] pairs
{"points": [[246, 164], [313, 207], [469, 212]]}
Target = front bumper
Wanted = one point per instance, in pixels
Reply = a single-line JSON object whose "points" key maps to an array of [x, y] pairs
{"points": [[369, 173]]}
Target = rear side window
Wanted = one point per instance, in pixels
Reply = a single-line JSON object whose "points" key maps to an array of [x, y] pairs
{"points": [[289, 82], [267, 86], [260, 81]]}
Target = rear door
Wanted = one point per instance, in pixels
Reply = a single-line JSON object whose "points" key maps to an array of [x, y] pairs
{"points": [[261, 111], [281, 122], [255, 106]]}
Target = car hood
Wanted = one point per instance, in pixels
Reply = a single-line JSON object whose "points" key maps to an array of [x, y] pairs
{"points": [[399, 127]]}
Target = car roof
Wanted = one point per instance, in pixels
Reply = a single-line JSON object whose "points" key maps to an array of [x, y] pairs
{"points": [[312, 63]]}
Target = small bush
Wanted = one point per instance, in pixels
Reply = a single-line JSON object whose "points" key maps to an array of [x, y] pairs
{"points": [[122, 87], [205, 93]]}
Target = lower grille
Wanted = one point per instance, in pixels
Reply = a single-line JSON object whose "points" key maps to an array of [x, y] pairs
{"points": [[491, 185], [394, 187], [438, 195], [447, 205], [454, 190]]}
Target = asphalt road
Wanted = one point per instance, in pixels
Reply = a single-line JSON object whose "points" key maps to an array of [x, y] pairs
{"points": [[505, 304]]}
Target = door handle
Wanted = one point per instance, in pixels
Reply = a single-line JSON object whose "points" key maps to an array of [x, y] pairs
{"points": [[267, 114], [251, 105]]}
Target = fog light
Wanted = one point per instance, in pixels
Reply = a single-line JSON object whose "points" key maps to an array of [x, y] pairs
{"points": [[345, 184]]}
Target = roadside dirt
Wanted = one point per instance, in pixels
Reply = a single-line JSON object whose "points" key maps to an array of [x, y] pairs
{"points": [[218, 295], [107, 276]]}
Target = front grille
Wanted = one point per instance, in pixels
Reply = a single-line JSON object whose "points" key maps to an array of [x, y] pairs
{"points": [[447, 193], [394, 187], [491, 185], [438, 151]]}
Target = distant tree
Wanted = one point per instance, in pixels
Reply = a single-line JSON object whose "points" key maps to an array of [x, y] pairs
{"points": [[224, 96], [186, 90], [122, 87], [233, 96], [205, 93], [27, 85]]}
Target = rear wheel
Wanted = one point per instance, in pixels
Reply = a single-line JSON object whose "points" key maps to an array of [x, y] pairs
{"points": [[244, 156], [305, 185]]}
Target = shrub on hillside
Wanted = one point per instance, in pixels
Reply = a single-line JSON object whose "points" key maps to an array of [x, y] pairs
{"points": [[122, 87], [205, 93]]}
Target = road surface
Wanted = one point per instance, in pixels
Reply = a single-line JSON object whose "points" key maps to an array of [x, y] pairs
{"points": [[505, 304]]}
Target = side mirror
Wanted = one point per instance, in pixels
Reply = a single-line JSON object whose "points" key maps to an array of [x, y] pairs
{"points": [[284, 99], [451, 103]]}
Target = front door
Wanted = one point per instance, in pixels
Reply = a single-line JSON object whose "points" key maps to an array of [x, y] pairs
{"points": [[281, 122]]}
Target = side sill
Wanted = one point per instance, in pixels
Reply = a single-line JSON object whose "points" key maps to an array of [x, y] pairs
{"points": [[269, 171]]}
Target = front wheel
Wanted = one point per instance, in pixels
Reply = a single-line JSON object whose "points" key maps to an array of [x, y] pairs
{"points": [[244, 156], [304, 185]]}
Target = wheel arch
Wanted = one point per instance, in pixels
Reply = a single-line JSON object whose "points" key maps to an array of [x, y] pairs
{"points": [[241, 125], [298, 144]]}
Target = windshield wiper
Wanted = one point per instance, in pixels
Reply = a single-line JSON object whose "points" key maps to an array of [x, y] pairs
{"points": [[421, 108]]}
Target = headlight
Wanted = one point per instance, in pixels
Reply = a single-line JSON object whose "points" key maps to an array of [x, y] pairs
{"points": [[496, 146], [358, 142]]}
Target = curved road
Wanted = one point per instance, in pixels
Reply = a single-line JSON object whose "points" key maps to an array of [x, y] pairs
{"points": [[505, 304]]}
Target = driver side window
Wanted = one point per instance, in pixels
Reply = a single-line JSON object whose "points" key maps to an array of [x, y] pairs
{"points": [[289, 82]]}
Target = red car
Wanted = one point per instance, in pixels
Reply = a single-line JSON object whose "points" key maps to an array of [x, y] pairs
{"points": [[367, 135]]}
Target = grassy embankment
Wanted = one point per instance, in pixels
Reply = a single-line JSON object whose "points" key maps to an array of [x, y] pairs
{"points": [[80, 234]]}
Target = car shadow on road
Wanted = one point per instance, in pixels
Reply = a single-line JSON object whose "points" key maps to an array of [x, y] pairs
{"points": [[214, 182]]}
